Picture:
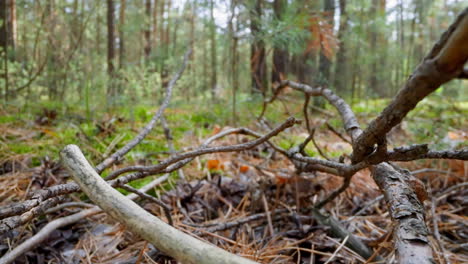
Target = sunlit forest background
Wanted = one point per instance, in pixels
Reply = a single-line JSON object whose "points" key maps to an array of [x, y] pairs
{"points": [[97, 55]]}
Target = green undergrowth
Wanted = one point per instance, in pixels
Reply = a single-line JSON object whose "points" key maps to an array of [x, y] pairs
{"points": [[430, 122]]}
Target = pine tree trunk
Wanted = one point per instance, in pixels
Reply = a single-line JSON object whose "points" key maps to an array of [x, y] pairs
{"points": [[123, 5], [257, 51], [325, 63], [280, 55], [110, 47], [147, 31], [341, 71], [213, 52]]}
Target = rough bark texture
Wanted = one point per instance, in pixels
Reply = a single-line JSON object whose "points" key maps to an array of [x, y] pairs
{"points": [[444, 62], [410, 231], [169, 240]]}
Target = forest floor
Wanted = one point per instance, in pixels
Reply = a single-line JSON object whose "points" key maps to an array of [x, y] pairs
{"points": [[257, 192]]}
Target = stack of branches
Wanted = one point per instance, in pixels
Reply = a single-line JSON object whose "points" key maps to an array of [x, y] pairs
{"points": [[400, 188]]}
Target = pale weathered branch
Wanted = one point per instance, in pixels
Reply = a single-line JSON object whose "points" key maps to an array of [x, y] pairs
{"points": [[44, 199], [347, 115], [164, 237], [232, 148], [37, 201], [45, 232]]}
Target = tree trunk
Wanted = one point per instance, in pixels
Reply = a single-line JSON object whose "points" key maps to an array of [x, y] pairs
{"points": [[325, 63], [232, 29], [123, 5], [11, 22], [155, 22], [147, 31], [341, 74], [377, 10], [3, 27], [4, 44], [213, 52], [280, 55], [110, 47], [257, 50]]}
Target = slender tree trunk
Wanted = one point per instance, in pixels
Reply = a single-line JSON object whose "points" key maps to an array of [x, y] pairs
{"points": [[341, 73], [206, 85], [53, 70], [325, 62], [11, 22], [213, 52], [98, 33], [4, 43], [123, 5], [376, 12], [155, 22], [233, 60], [147, 31], [257, 50], [110, 47], [280, 55], [175, 29], [162, 42]]}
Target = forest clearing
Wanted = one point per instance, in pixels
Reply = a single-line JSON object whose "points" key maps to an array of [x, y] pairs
{"points": [[257, 131]]}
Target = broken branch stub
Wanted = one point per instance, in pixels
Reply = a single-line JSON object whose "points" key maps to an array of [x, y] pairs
{"points": [[169, 240]]}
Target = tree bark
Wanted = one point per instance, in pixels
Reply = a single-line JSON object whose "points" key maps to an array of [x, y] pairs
{"points": [[123, 5], [147, 31], [110, 46], [376, 46], [213, 52], [325, 62], [11, 22], [280, 55], [257, 50], [341, 75]]}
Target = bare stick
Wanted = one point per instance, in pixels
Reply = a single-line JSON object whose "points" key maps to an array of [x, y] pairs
{"points": [[170, 144], [45, 232], [183, 156], [169, 240], [171, 164], [125, 149]]}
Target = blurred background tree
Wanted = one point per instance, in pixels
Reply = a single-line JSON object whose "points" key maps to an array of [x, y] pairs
{"points": [[101, 54]]}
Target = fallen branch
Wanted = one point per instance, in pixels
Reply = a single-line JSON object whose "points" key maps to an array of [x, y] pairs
{"points": [[125, 149], [410, 231], [169, 240], [39, 198], [45, 232]]}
